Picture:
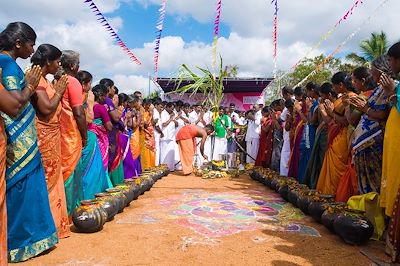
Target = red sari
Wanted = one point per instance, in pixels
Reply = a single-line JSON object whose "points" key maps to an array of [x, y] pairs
{"points": [[266, 143]]}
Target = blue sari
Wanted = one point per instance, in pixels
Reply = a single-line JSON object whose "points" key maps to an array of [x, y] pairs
{"points": [[31, 228], [306, 144], [95, 177]]}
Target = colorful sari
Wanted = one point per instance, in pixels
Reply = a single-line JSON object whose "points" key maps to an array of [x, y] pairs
{"points": [[31, 228], [390, 182], [95, 178], [317, 156], [266, 140], [48, 129], [277, 146], [294, 161], [135, 149], [3, 204], [306, 144], [337, 154], [147, 154], [368, 146], [71, 145], [98, 128]]}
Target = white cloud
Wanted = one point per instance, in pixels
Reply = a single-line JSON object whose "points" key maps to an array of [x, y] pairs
{"points": [[70, 25]]}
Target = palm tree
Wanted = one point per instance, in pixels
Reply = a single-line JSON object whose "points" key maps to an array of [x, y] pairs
{"points": [[371, 48]]}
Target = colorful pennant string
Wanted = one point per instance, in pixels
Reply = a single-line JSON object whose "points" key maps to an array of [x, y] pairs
{"points": [[216, 29], [323, 38], [103, 21], [275, 34], [340, 46], [159, 27]]}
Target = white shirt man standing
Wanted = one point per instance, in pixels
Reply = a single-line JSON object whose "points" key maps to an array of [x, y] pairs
{"points": [[167, 143], [253, 133], [158, 134]]}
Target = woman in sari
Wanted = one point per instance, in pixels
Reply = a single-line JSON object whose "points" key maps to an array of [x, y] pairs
{"points": [[363, 130], [317, 155], [266, 139], [127, 122], [134, 105], [94, 177], [147, 153], [300, 118], [277, 142], [390, 183], [46, 101], [337, 154], [10, 106], [308, 138], [73, 132], [31, 229]]}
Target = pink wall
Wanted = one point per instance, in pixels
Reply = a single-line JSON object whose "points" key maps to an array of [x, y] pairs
{"points": [[242, 100]]}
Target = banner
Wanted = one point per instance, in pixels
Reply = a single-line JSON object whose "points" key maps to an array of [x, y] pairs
{"points": [[216, 30], [159, 27], [103, 21]]}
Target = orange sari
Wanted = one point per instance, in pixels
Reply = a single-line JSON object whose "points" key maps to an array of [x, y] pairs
{"points": [[71, 144], [147, 155], [336, 156], [49, 142], [3, 206]]}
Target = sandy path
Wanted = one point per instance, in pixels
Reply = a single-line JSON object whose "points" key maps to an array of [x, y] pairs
{"points": [[192, 221]]}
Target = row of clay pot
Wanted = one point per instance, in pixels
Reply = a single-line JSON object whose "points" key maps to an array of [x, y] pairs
{"points": [[91, 215], [351, 225]]}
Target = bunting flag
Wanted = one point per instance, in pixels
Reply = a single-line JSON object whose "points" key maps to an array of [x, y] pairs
{"points": [[159, 27], [340, 46], [103, 21], [343, 18], [275, 34], [216, 29]]}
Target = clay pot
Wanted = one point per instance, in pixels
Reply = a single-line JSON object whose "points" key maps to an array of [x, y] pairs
{"points": [[133, 187], [253, 175], [318, 206], [108, 204], [127, 192], [331, 213], [353, 227], [283, 191], [89, 217], [119, 198]]}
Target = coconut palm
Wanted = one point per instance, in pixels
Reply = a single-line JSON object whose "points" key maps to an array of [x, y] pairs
{"points": [[371, 48]]}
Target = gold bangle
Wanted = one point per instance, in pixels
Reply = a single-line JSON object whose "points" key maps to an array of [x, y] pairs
{"points": [[30, 88]]}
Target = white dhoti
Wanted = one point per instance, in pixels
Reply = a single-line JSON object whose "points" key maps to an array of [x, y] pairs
{"points": [[199, 159], [220, 147], [177, 163], [157, 152], [285, 154], [252, 149], [167, 154]]}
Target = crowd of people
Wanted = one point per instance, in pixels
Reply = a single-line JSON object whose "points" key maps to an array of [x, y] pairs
{"points": [[63, 140]]}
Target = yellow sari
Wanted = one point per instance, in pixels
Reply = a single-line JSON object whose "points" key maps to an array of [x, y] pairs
{"points": [[336, 156], [147, 142], [390, 172]]}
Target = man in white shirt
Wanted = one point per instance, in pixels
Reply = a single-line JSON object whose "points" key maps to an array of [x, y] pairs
{"points": [[158, 134], [167, 143], [233, 115], [287, 94], [253, 133]]}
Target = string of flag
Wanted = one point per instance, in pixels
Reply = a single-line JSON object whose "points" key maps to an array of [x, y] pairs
{"points": [[340, 46], [275, 35], [103, 21], [216, 30], [339, 22], [160, 25]]}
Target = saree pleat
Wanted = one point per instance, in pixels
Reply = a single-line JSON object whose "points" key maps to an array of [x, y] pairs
{"points": [[116, 167], [316, 160], [135, 149], [147, 141], [128, 163], [94, 174], [264, 153], [97, 127]]}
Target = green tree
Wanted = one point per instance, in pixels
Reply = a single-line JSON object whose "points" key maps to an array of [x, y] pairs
{"points": [[371, 48]]}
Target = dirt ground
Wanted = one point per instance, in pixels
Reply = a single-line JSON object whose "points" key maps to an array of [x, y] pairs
{"points": [[186, 220]]}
